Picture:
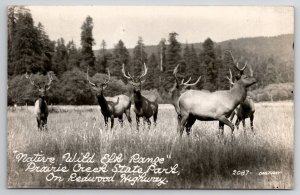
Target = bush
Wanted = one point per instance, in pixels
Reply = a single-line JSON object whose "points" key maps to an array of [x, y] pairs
{"points": [[274, 92]]}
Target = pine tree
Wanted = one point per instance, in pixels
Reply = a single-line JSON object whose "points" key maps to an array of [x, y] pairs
{"points": [[209, 58], [153, 71], [184, 67], [47, 48], [60, 58], [173, 57], [73, 56], [87, 42], [162, 54], [120, 56], [194, 66], [139, 57], [103, 58], [26, 53], [162, 63]]}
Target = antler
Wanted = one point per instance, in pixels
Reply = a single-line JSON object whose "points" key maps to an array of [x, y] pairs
{"points": [[145, 70], [236, 63], [31, 81], [108, 79], [190, 84], [230, 78], [50, 81], [87, 78], [175, 73], [182, 81], [123, 71], [251, 71]]}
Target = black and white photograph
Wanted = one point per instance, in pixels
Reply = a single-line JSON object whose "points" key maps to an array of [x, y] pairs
{"points": [[150, 97]]}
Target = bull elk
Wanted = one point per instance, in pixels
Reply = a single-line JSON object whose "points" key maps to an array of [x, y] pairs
{"points": [[40, 106], [179, 87], [210, 106], [245, 110], [142, 106], [111, 107]]}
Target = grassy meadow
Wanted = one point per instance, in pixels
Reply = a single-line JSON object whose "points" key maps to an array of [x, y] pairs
{"points": [[205, 160]]}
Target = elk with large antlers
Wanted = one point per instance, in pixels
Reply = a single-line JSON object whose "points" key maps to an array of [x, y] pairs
{"points": [[142, 106], [210, 106], [40, 106], [111, 107], [245, 110], [179, 87]]}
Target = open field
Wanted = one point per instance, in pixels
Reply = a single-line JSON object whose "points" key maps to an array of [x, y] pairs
{"points": [[204, 159]]}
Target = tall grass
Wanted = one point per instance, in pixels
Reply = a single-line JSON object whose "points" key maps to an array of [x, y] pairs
{"points": [[205, 160]]}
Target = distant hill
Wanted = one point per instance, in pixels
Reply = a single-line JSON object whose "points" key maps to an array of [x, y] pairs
{"points": [[279, 47]]}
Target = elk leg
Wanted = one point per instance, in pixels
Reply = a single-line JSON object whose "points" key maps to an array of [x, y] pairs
{"points": [[121, 120], [251, 121], [227, 122], [112, 119], [105, 121], [244, 124], [45, 124], [155, 118], [191, 120], [237, 123], [178, 122], [127, 113], [221, 128], [182, 123], [137, 122], [149, 122], [39, 123]]}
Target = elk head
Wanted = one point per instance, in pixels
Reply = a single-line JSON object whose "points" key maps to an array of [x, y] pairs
{"points": [[135, 81], [179, 86], [42, 90], [102, 86], [236, 65]]}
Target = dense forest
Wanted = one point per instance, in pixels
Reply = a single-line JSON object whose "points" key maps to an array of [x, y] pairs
{"points": [[31, 51]]}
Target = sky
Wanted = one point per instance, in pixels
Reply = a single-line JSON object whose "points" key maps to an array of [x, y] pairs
{"points": [[152, 23]]}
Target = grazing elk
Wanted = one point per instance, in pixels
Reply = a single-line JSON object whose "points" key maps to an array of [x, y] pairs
{"points": [[142, 106], [40, 107], [111, 107], [178, 87], [210, 106], [245, 110]]}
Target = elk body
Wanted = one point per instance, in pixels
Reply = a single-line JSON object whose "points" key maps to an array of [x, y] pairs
{"points": [[247, 108], [142, 106], [210, 106], [111, 107], [243, 111], [40, 107]]}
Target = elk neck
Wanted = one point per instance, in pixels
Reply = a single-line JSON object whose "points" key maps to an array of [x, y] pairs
{"points": [[138, 99], [238, 93], [103, 103], [175, 94], [42, 104]]}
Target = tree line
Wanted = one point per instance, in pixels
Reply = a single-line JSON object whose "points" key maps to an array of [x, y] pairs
{"points": [[30, 50]]}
